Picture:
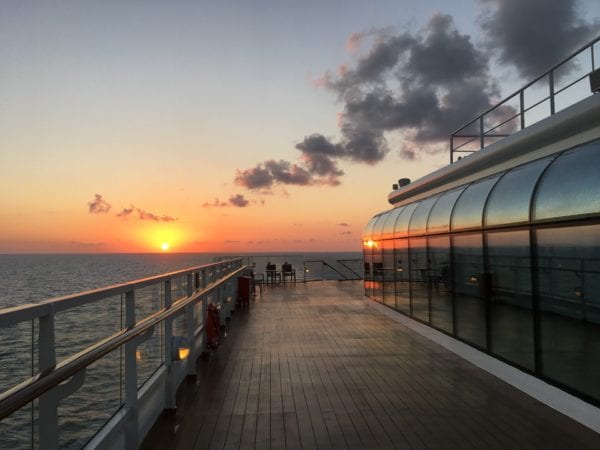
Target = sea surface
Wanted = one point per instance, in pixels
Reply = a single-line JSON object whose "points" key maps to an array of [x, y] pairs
{"points": [[29, 278]]}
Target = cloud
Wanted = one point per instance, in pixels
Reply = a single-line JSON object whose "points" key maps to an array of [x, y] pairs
{"points": [[87, 244], [145, 215], [215, 204], [346, 232], [343, 224], [125, 212], [238, 200], [98, 205], [534, 35], [254, 178]]}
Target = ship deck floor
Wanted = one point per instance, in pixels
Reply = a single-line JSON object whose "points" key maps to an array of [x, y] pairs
{"points": [[314, 366]]}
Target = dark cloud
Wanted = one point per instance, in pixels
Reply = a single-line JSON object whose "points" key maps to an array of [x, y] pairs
{"points": [[145, 215], [87, 244], [238, 200], [125, 212], [288, 173], [423, 84], [98, 205], [534, 35], [215, 204], [254, 178]]}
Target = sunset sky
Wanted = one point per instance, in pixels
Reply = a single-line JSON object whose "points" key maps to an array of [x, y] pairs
{"points": [[248, 126]]}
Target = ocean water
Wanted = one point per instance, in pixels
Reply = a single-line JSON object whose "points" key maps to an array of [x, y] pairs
{"points": [[34, 278]]}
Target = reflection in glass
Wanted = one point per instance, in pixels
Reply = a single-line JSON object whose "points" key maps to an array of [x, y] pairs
{"points": [[418, 221], [419, 275], [440, 279], [570, 185], [511, 197], [468, 212], [390, 221], [468, 287], [389, 292], [402, 272], [569, 289], [377, 271], [439, 218], [401, 227], [511, 307], [368, 231], [378, 227]]}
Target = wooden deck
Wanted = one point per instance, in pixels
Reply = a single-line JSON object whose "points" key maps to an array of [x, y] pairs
{"points": [[313, 366]]}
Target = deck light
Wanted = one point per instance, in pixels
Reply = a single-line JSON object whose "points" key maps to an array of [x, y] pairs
{"points": [[180, 348]]}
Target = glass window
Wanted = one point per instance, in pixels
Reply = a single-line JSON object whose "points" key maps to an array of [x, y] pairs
{"points": [[419, 277], [569, 290], [368, 231], [389, 288], [511, 317], [440, 280], [418, 221], [469, 286], [511, 197], [570, 186], [378, 227], [439, 218], [468, 212], [402, 267], [390, 221], [401, 227]]}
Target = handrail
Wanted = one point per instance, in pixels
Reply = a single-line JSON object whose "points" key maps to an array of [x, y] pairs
{"points": [[30, 389], [519, 94], [15, 314]]}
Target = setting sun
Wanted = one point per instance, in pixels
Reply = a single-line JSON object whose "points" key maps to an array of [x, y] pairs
{"points": [[164, 246]]}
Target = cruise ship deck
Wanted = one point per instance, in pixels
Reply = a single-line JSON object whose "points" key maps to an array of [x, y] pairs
{"points": [[316, 365]]}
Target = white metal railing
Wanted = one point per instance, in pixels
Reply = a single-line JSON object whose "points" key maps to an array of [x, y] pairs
{"points": [[164, 309], [561, 86]]}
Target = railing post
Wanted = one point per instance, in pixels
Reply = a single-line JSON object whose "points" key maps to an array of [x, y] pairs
{"points": [[131, 394], [190, 329], [551, 86], [48, 415], [522, 108], [204, 278], [170, 402], [481, 139]]}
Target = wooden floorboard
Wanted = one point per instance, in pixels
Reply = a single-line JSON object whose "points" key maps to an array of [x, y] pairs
{"points": [[313, 366]]}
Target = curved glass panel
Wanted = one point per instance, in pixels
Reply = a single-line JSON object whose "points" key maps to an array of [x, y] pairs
{"points": [[401, 227], [570, 186], [418, 221], [439, 218], [379, 226], [468, 212], [510, 199], [368, 232], [390, 221]]}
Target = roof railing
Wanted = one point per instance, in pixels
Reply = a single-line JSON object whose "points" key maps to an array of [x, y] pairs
{"points": [[561, 86]]}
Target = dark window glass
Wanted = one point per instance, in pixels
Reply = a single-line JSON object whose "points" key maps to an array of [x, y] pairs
{"points": [[469, 287], [511, 316], [418, 221], [440, 280], [377, 283], [401, 227], [570, 186], [439, 218], [468, 212], [389, 289], [569, 288], [511, 197], [390, 221], [402, 267], [419, 275]]}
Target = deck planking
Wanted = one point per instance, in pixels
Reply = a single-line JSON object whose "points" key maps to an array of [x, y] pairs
{"points": [[313, 366]]}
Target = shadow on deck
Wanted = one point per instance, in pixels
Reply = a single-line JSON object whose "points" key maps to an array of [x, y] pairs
{"points": [[313, 366]]}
